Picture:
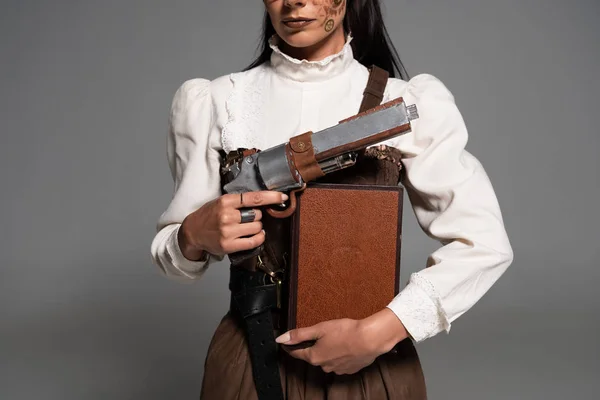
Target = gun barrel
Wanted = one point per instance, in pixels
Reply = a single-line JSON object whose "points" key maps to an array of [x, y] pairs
{"points": [[381, 123]]}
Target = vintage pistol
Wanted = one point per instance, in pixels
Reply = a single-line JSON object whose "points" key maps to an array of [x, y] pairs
{"points": [[289, 166]]}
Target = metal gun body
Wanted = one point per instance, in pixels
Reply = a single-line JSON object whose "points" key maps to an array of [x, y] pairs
{"points": [[334, 148], [274, 168], [360, 132]]}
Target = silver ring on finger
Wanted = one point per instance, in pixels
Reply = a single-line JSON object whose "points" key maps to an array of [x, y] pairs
{"points": [[247, 215]]}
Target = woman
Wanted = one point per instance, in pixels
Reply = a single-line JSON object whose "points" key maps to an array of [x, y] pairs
{"points": [[310, 75]]}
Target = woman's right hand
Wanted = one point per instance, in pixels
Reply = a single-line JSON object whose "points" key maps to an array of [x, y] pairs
{"points": [[216, 227]]}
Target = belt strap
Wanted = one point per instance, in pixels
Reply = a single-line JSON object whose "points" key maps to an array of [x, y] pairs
{"points": [[253, 300]]}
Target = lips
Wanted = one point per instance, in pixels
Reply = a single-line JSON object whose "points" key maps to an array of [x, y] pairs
{"points": [[298, 22], [297, 19]]}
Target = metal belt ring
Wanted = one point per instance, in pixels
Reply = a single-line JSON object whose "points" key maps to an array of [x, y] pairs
{"points": [[247, 215]]}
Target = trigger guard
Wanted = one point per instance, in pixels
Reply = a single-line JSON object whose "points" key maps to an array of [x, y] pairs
{"points": [[285, 213]]}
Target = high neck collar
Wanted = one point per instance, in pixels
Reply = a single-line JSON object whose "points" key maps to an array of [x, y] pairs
{"points": [[310, 71]]}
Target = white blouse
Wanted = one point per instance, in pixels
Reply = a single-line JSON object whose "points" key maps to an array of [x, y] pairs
{"points": [[449, 191]]}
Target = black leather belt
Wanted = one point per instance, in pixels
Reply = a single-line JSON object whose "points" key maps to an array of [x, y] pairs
{"points": [[253, 298]]}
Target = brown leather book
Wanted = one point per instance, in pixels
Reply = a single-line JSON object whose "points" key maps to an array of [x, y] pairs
{"points": [[345, 261]]}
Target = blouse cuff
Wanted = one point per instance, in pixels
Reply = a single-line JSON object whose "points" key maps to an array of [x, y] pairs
{"points": [[188, 268], [419, 308]]}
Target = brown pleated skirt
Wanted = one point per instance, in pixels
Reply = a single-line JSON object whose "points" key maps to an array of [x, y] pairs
{"points": [[228, 373]]}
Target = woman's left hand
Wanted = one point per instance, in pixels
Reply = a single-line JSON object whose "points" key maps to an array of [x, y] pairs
{"points": [[345, 346]]}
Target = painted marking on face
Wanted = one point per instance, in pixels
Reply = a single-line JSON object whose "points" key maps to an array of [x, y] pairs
{"points": [[330, 11], [333, 8], [329, 25]]}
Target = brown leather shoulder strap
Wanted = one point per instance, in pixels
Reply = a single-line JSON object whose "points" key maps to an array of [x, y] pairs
{"points": [[373, 94]]}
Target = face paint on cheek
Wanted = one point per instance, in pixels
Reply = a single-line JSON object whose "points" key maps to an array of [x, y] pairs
{"points": [[329, 25], [329, 10], [334, 8]]}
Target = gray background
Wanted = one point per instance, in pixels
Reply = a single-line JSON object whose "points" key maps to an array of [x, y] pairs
{"points": [[86, 89]]}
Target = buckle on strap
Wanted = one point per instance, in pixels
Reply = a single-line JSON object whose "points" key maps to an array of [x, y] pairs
{"points": [[276, 278]]}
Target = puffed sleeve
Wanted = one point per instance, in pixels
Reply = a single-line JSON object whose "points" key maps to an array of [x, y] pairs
{"points": [[454, 203], [194, 168]]}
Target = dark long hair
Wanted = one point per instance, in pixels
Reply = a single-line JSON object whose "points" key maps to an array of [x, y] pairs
{"points": [[371, 43]]}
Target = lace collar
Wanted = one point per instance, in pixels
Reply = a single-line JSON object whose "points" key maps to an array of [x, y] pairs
{"points": [[310, 71]]}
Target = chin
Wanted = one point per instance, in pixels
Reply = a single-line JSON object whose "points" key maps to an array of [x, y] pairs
{"points": [[300, 39]]}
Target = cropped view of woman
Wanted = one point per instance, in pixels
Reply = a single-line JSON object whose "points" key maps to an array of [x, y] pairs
{"points": [[311, 73]]}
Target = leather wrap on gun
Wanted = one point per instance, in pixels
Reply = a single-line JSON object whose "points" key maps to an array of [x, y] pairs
{"points": [[302, 157]]}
